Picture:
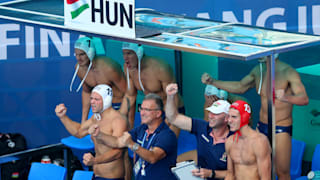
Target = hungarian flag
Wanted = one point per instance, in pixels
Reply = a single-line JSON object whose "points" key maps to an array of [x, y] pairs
{"points": [[77, 7]]}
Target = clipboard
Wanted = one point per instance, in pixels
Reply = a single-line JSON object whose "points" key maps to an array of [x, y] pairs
{"points": [[183, 171]]}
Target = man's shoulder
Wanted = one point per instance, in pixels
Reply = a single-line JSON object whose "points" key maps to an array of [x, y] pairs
{"points": [[156, 62], [255, 70], [118, 116], [166, 131], [229, 142], [259, 138], [115, 116], [107, 61]]}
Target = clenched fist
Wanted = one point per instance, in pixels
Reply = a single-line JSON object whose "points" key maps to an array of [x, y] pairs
{"points": [[94, 130], [125, 140], [206, 79], [172, 89], [88, 159], [61, 110]]}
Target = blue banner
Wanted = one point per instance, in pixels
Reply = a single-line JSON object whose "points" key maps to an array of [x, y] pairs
{"points": [[36, 67]]}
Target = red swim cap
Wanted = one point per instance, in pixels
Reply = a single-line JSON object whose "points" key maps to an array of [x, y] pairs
{"points": [[245, 113]]}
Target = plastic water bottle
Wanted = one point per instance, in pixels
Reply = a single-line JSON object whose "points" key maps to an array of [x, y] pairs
{"points": [[314, 175]]}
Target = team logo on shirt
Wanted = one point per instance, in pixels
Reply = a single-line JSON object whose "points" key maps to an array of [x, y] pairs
{"points": [[224, 157]]}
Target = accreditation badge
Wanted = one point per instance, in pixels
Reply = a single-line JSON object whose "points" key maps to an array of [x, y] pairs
{"points": [[137, 167]]}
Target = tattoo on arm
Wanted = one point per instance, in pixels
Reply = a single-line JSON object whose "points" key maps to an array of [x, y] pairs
{"points": [[128, 102]]}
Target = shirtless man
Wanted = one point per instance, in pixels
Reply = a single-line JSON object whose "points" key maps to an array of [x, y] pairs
{"points": [[154, 144], [108, 162], [248, 151], [94, 70], [210, 136], [147, 74], [289, 91]]}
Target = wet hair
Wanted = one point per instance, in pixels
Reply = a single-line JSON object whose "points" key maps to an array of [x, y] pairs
{"points": [[156, 98]]}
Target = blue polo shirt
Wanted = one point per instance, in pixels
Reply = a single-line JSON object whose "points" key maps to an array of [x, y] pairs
{"points": [[163, 138], [210, 156]]}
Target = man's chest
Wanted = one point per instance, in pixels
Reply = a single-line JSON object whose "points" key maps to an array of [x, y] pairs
{"points": [[149, 81], [95, 77], [242, 153]]}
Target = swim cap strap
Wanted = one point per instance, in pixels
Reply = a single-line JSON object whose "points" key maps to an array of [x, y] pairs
{"points": [[84, 78]]}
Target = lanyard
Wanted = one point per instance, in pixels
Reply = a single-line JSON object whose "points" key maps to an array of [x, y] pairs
{"points": [[142, 162], [144, 139]]}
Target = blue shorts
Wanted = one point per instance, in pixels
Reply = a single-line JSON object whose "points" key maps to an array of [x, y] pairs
{"points": [[263, 128], [94, 177], [116, 106]]}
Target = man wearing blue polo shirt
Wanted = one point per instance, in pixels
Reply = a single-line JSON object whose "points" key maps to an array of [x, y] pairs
{"points": [[154, 144], [211, 136]]}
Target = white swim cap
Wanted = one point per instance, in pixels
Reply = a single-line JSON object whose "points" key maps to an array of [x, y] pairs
{"points": [[138, 49], [223, 94], [105, 92], [85, 44], [212, 90]]}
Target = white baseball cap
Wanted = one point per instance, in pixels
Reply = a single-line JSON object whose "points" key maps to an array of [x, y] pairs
{"points": [[220, 106]]}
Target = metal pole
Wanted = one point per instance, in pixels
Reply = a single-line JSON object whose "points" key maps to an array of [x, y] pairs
{"points": [[178, 68], [67, 162], [271, 110]]}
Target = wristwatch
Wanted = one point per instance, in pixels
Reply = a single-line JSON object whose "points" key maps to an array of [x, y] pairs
{"points": [[213, 174], [135, 147]]}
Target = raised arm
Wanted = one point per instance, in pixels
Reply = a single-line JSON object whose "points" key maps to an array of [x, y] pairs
{"points": [[299, 96], [74, 128], [262, 150], [172, 115], [86, 91], [237, 87], [165, 76]]}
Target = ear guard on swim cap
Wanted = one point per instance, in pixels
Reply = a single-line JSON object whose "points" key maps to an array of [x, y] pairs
{"points": [[139, 52], [85, 44], [244, 110], [105, 92]]}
